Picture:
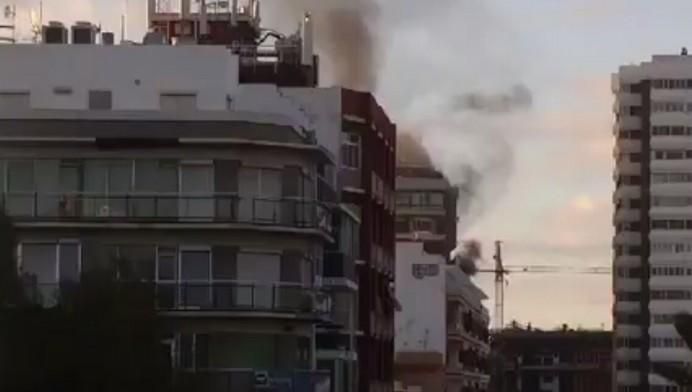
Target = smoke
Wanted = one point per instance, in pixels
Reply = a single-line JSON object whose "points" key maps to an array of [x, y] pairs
{"points": [[456, 70], [345, 37], [519, 97], [467, 256]]}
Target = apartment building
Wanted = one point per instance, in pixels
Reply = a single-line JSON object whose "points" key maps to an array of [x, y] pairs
{"points": [[468, 334], [562, 360], [367, 183], [260, 205], [652, 243], [442, 328], [163, 164]]}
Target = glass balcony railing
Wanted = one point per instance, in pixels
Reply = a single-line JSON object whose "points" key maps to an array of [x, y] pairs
{"points": [[143, 208], [205, 296]]}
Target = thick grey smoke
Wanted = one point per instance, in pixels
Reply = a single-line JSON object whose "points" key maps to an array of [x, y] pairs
{"points": [[455, 69], [467, 257], [344, 35], [519, 97], [471, 145]]}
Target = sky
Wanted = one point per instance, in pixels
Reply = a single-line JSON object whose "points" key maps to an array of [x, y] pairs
{"points": [[553, 206]]}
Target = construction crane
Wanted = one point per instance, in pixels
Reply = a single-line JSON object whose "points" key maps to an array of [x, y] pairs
{"points": [[502, 270]]}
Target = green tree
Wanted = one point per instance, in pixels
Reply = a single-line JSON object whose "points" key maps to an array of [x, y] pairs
{"points": [[101, 335], [10, 286]]}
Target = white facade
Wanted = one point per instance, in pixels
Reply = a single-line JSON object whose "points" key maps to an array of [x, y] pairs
{"points": [[156, 82], [669, 114], [421, 289]]}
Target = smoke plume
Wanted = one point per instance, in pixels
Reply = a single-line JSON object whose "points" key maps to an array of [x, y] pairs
{"points": [[467, 257], [519, 97], [344, 36]]}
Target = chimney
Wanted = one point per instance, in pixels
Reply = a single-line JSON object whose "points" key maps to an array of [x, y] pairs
{"points": [[308, 50]]}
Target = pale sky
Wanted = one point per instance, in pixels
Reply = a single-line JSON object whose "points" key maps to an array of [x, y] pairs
{"points": [[555, 208]]}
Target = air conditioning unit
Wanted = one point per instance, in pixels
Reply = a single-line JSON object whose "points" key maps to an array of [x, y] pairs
{"points": [[54, 33], [104, 211], [261, 379]]}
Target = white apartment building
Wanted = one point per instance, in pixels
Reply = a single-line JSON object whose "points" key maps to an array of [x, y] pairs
{"points": [[220, 193], [442, 334], [653, 218]]}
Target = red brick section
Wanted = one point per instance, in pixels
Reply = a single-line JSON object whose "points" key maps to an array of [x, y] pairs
{"points": [[361, 113]]}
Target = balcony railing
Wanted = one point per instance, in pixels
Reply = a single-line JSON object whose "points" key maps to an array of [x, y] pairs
{"points": [[246, 380], [219, 208], [216, 296]]}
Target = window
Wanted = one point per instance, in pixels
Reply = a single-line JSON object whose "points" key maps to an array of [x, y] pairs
{"points": [[671, 201], [402, 225], [423, 225], [136, 263], [671, 224], [167, 264], [350, 150], [670, 154], [195, 274], [47, 264], [100, 100], [675, 295], [20, 188]]}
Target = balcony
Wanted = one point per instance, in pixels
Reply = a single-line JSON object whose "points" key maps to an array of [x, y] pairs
{"points": [[337, 265], [203, 297], [251, 380], [168, 208]]}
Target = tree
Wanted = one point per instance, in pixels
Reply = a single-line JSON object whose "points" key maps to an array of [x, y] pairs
{"points": [[102, 336], [679, 374], [10, 285]]}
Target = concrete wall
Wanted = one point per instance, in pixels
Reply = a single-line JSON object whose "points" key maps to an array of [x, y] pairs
{"points": [[59, 77], [421, 324], [323, 106], [136, 75]]}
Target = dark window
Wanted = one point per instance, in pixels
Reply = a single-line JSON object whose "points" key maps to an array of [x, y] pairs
{"points": [[635, 272], [635, 203], [659, 224], [635, 157], [634, 250], [635, 110], [402, 225], [676, 225], [100, 100]]}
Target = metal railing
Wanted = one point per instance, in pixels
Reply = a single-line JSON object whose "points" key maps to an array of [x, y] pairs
{"points": [[206, 296], [249, 380], [225, 208]]}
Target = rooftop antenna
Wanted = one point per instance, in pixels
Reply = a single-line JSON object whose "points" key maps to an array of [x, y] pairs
{"points": [[122, 28], [125, 20]]}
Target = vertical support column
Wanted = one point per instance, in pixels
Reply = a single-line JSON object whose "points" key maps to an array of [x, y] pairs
{"points": [[645, 230]]}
